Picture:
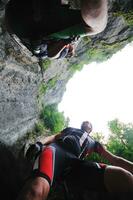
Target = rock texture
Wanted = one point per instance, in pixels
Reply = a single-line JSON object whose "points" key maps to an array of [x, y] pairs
{"points": [[21, 76], [19, 79]]}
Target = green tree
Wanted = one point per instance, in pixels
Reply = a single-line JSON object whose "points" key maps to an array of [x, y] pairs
{"points": [[95, 157], [121, 139], [53, 119], [99, 137]]}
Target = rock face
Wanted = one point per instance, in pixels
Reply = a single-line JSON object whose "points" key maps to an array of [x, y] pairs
{"points": [[19, 80], [21, 76]]}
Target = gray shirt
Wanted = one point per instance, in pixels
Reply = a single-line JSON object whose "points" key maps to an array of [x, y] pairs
{"points": [[74, 4]]}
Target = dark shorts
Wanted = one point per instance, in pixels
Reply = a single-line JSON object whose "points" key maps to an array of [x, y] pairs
{"points": [[56, 164], [86, 175]]}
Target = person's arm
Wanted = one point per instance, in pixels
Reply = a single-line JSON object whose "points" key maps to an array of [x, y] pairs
{"points": [[49, 139], [115, 160]]}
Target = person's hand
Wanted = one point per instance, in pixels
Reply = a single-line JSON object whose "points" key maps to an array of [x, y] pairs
{"points": [[99, 147], [71, 50]]}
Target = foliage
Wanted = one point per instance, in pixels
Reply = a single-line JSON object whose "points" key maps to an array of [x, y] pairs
{"points": [[76, 67], [53, 119], [52, 82], [94, 156], [42, 89], [128, 16], [78, 64], [39, 130], [86, 39], [97, 54], [104, 51], [121, 139], [45, 86], [45, 64], [99, 137]]}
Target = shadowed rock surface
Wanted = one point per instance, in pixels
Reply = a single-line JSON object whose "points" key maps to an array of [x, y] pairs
{"points": [[11, 174]]}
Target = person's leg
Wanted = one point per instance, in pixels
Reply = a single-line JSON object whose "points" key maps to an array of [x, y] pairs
{"points": [[117, 179], [48, 167], [94, 14], [35, 189], [100, 177], [86, 175]]}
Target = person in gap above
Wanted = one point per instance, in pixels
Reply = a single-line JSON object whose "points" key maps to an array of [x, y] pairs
{"points": [[43, 21]]}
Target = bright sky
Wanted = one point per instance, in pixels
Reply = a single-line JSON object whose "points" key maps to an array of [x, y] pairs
{"points": [[101, 92]]}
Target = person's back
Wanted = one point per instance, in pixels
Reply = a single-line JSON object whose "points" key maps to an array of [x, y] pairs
{"points": [[76, 141]]}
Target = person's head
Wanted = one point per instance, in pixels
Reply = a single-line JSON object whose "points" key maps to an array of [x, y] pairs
{"points": [[86, 126]]}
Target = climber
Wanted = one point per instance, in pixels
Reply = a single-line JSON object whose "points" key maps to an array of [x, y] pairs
{"points": [[54, 159], [62, 152], [39, 21]]}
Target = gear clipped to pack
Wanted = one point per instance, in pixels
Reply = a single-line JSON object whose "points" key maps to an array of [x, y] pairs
{"points": [[33, 151], [41, 50]]}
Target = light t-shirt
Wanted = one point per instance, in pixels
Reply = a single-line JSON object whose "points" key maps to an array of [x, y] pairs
{"points": [[75, 4]]}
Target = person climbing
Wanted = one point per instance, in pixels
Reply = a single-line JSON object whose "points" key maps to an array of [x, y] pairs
{"points": [[55, 159], [43, 21], [61, 153], [115, 177]]}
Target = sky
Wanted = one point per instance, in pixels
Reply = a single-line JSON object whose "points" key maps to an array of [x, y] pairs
{"points": [[101, 92]]}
